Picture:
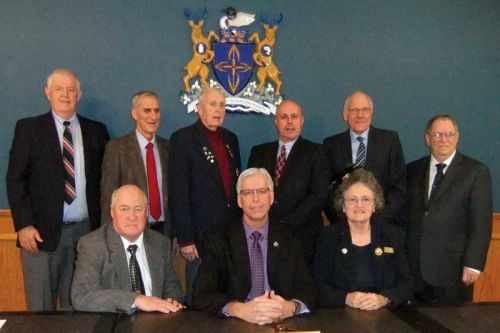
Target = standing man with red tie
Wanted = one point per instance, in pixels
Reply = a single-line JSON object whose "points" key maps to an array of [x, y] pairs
{"points": [[53, 190], [300, 176], [140, 158]]}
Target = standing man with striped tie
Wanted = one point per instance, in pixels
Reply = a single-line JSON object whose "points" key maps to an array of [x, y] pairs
{"points": [[374, 149], [300, 177], [53, 190]]}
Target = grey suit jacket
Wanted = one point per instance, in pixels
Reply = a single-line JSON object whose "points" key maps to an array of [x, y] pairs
{"points": [[101, 280], [123, 164]]}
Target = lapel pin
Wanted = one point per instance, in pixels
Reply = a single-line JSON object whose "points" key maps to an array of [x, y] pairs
{"points": [[388, 249], [344, 250], [378, 251], [276, 244]]}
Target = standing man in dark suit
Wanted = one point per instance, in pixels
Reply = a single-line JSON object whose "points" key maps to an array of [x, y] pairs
{"points": [[450, 213], [122, 266], [376, 150], [300, 177], [140, 158], [252, 266], [204, 163], [53, 190]]}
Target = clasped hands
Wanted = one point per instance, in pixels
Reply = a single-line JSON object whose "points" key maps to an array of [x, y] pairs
{"points": [[365, 301], [151, 303], [264, 309]]}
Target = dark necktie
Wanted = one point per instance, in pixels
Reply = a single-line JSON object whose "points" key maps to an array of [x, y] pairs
{"points": [[154, 191], [438, 179], [361, 154], [256, 266], [135, 271], [280, 165], [69, 165]]}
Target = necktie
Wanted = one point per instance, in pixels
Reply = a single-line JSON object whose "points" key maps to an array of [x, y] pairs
{"points": [[361, 154], [135, 271], [69, 165], [154, 191], [438, 178], [256, 266], [280, 165]]}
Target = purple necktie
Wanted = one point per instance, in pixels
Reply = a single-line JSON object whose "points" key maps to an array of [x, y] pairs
{"points": [[256, 266], [69, 165]]}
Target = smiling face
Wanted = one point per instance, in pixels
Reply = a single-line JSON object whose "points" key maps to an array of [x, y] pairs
{"points": [[129, 212], [443, 146], [358, 112], [289, 121], [147, 116], [212, 108], [255, 203], [63, 93], [358, 204]]}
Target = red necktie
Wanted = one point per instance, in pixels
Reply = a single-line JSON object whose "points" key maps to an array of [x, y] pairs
{"points": [[280, 165], [154, 191]]}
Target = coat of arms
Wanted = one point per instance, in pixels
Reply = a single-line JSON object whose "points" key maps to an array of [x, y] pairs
{"points": [[234, 57]]}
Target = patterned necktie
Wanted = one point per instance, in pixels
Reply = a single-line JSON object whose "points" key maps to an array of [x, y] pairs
{"points": [[135, 271], [69, 165], [154, 191], [256, 266], [280, 165], [438, 179], [361, 154]]}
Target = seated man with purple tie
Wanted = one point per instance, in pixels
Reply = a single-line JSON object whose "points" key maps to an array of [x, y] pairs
{"points": [[253, 267], [123, 266]]}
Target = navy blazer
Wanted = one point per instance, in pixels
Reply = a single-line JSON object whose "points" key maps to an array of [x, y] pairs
{"points": [[196, 193], [35, 176], [334, 266], [303, 188], [225, 275], [384, 157], [453, 228]]}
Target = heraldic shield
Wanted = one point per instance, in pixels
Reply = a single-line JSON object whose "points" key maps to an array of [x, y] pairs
{"points": [[233, 65]]}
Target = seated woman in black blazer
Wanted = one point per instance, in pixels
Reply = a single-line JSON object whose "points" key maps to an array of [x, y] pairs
{"points": [[357, 263]]}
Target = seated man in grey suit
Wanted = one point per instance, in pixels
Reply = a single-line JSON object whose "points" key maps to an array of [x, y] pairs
{"points": [[122, 267], [252, 267]]}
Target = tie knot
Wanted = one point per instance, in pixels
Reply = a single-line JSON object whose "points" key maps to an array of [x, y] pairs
{"points": [[360, 139], [66, 123], [149, 146], [440, 166], [132, 249], [256, 236]]}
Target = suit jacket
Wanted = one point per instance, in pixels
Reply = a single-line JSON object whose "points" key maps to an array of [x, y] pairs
{"points": [[225, 275], [302, 192], [196, 191], [384, 157], [453, 228], [334, 264], [35, 176], [123, 164], [101, 281]]}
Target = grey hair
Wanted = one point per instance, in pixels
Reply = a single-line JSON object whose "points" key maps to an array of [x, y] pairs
{"points": [[63, 71], [208, 90], [141, 94], [113, 195], [251, 172], [359, 176], [354, 93]]}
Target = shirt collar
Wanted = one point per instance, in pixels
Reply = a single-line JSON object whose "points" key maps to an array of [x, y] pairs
{"points": [[263, 231], [60, 120], [447, 161], [142, 140], [355, 135], [288, 145], [139, 242]]}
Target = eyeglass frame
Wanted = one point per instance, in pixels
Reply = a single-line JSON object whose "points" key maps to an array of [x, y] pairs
{"points": [[252, 191], [441, 135], [359, 110], [363, 201]]}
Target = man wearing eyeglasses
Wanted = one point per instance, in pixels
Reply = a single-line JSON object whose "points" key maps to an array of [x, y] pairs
{"points": [[301, 180], [374, 149], [449, 217], [252, 268]]}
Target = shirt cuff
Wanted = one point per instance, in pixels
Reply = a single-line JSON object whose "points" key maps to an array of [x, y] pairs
{"points": [[473, 269], [303, 307]]}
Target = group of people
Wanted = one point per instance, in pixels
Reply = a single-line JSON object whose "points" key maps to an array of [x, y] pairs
{"points": [[253, 240]]}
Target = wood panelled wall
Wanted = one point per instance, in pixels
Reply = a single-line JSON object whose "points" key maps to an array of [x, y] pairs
{"points": [[487, 289]]}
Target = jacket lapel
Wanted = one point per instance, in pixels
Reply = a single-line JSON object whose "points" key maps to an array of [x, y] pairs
{"points": [[118, 258], [136, 162], [346, 149], [155, 265], [239, 251]]}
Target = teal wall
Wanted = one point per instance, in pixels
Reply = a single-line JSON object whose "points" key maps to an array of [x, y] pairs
{"points": [[415, 58]]}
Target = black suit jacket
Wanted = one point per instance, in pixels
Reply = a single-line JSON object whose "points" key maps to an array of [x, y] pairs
{"points": [[302, 192], [35, 176], [334, 265], [453, 228], [224, 274], [196, 193], [384, 157]]}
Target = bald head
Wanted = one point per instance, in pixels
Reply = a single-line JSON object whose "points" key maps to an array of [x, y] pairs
{"points": [[129, 211], [289, 121], [357, 113]]}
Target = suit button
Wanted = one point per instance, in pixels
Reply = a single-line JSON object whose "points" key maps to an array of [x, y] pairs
{"points": [[228, 205], [426, 213]]}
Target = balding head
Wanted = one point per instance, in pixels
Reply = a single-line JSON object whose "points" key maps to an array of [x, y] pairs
{"points": [[289, 121]]}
